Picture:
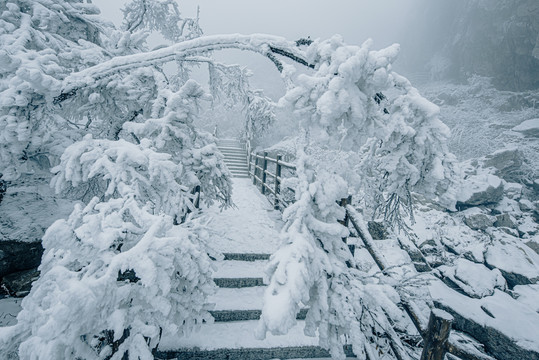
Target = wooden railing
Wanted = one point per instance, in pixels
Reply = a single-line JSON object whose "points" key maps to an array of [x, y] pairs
{"points": [[259, 172], [435, 333]]}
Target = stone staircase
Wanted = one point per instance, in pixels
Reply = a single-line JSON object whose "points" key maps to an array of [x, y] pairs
{"points": [[238, 304], [235, 157]]}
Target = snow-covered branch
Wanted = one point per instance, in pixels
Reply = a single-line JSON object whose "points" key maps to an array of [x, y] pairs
{"points": [[259, 43]]}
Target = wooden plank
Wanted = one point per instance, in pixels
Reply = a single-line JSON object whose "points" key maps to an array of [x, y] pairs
{"points": [[264, 168], [437, 336], [277, 182]]}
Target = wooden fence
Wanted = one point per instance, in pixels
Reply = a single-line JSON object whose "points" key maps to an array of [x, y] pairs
{"points": [[435, 334], [267, 180]]}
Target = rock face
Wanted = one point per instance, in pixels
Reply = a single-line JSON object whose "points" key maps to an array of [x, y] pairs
{"points": [[18, 256]]}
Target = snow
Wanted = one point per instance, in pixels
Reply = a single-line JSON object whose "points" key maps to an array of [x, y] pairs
{"points": [[528, 127], [247, 298], [251, 221], [240, 269], [9, 308], [475, 279], [520, 324], [236, 335], [514, 258]]}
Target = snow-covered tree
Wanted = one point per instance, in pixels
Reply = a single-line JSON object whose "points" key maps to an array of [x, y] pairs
{"points": [[132, 256], [398, 147]]}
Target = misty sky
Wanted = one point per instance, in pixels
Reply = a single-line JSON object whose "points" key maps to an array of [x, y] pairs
{"points": [[356, 20]]}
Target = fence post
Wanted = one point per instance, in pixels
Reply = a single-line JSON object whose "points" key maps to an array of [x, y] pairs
{"points": [[277, 183], [249, 159], [255, 169], [436, 338], [344, 202], [264, 168]]}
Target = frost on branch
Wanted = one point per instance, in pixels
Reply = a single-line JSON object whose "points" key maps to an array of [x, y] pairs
{"points": [[160, 15]]}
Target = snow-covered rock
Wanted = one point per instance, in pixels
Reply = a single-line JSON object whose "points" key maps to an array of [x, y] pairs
{"points": [[506, 162], [528, 128], [518, 263], [480, 189], [505, 220], [474, 279], [478, 221], [526, 205]]}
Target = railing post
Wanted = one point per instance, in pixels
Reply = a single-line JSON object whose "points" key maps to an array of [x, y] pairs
{"points": [[249, 158], [344, 202], [277, 183], [436, 338], [264, 168], [255, 169]]}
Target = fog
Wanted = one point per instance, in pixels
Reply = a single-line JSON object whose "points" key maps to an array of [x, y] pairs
{"points": [[442, 39]]}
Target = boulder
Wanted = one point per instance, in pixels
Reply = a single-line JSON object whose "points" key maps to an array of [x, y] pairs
{"points": [[507, 164], [17, 256], [525, 205], [480, 190], [518, 263], [505, 220], [528, 128], [478, 221]]}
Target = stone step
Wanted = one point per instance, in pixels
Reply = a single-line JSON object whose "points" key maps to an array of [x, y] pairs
{"points": [[297, 352], [246, 256], [235, 340], [236, 166], [237, 160], [224, 149], [238, 282], [244, 315]]}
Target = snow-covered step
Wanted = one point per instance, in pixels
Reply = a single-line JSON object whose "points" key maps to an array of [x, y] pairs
{"points": [[235, 340], [249, 298], [241, 161], [238, 268], [232, 149]]}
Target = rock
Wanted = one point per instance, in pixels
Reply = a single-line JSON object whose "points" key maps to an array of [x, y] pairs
{"points": [[518, 264], [505, 220], [528, 128], [513, 190], [525, 205], [478, 221], [507, 164], [19, 284], [533, 245], [535, 185], [17, 256], [480, 190], [377, 230]]}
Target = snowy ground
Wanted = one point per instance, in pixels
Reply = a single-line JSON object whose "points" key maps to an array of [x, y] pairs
{"points": [[252, 221]]}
